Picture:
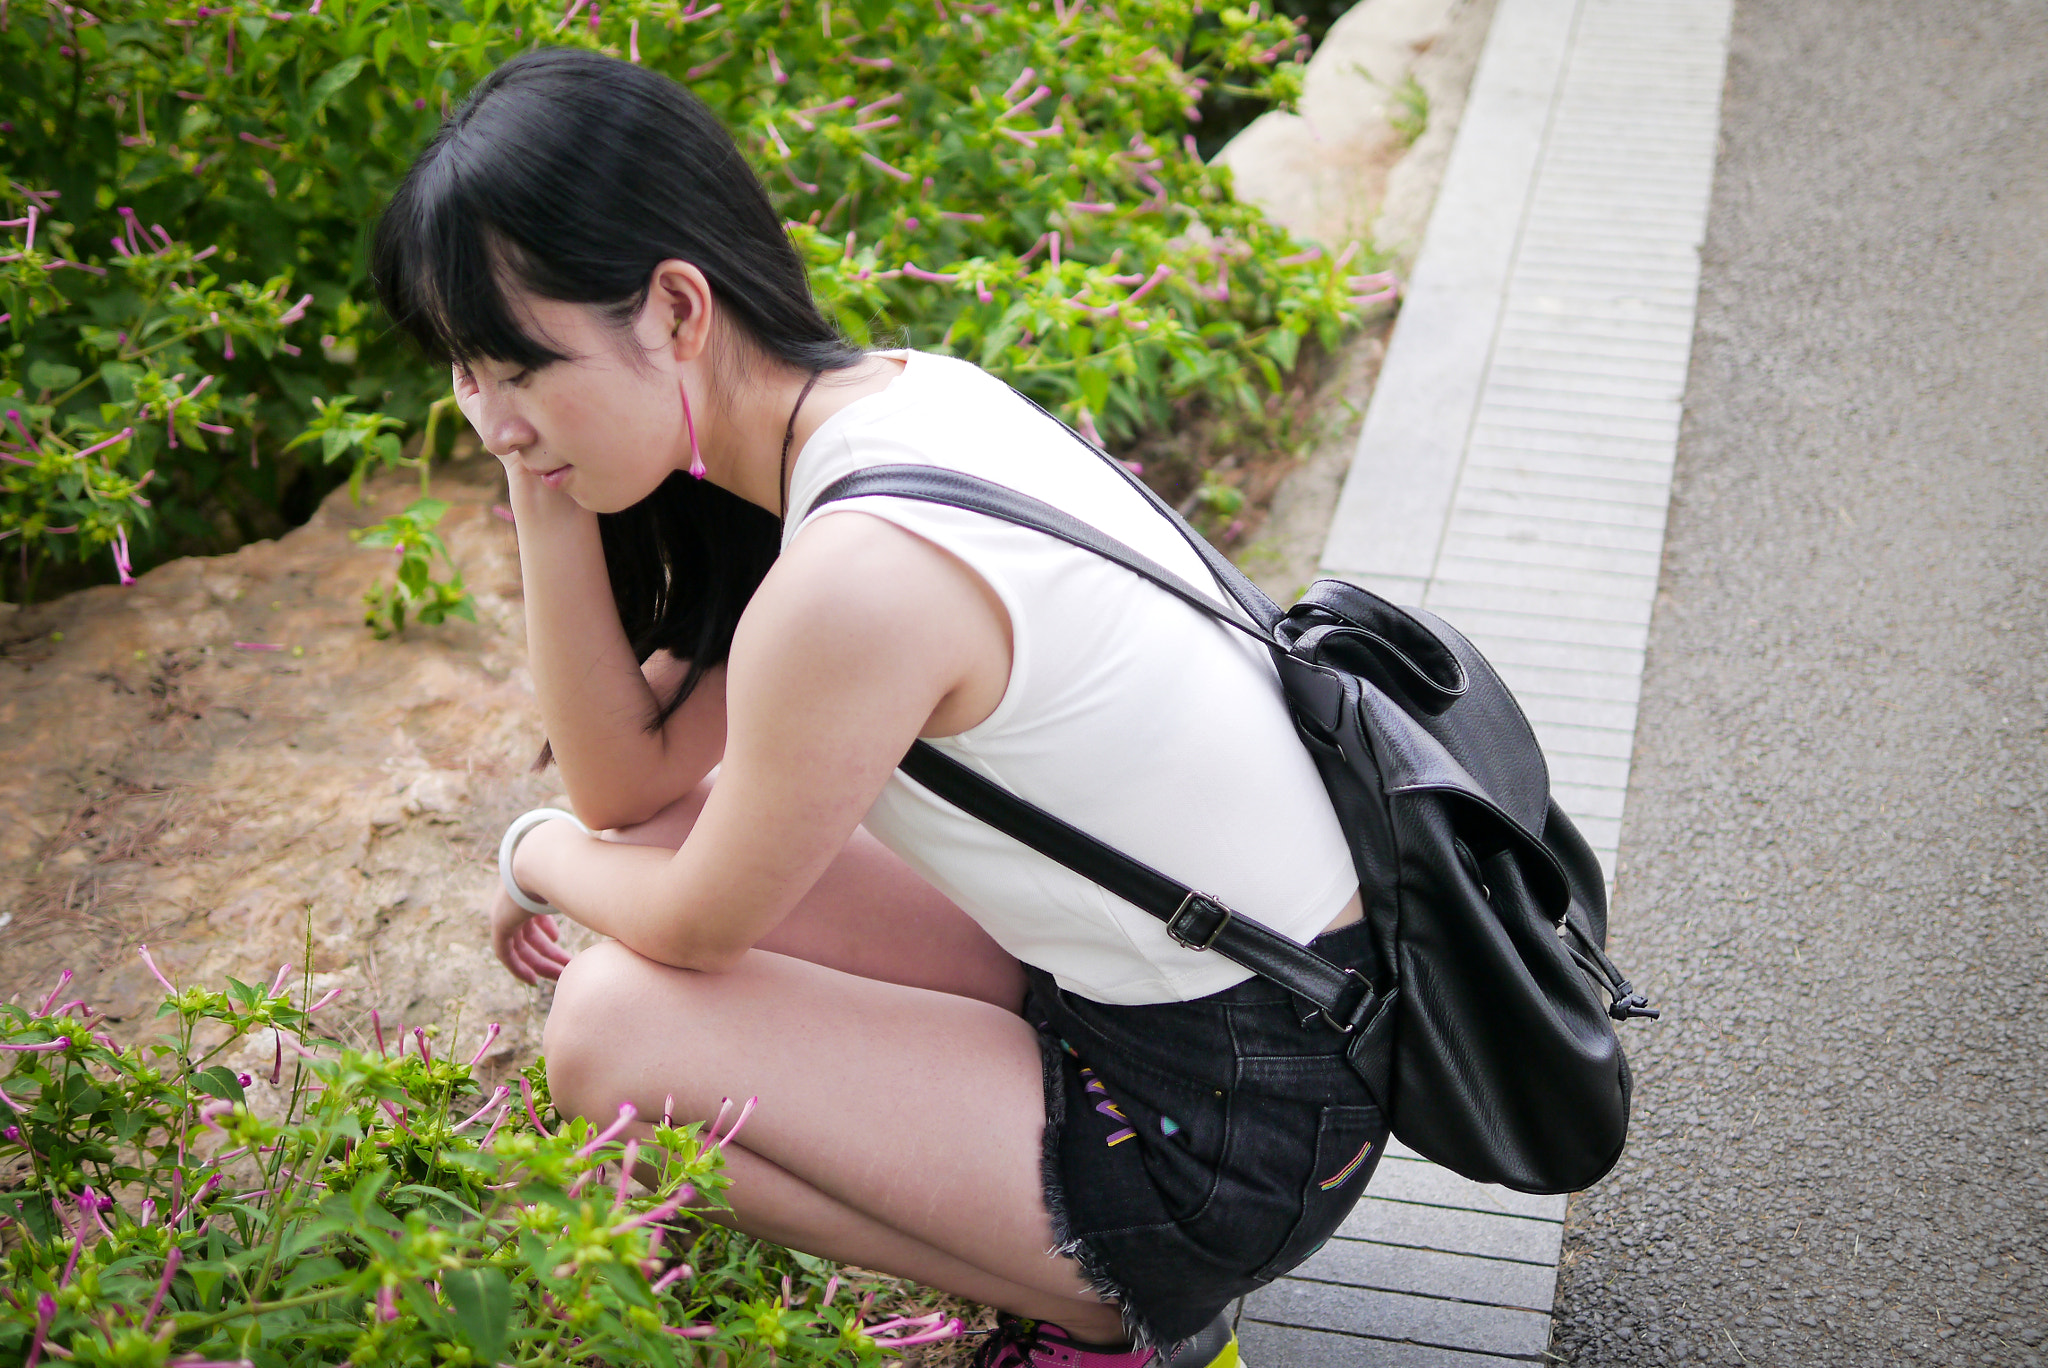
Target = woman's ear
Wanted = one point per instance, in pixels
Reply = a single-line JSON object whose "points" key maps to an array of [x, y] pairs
{"points": [[679, 298]]}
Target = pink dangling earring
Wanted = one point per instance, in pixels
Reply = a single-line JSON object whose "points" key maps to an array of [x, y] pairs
{"points": [[696, 460]]}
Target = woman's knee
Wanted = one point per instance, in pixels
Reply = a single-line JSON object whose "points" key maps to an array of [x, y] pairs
{"points": [[590, 1030]]}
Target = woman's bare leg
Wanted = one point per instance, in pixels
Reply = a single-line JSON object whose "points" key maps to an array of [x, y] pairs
{"points": [[898, 1128], [870, 914]]}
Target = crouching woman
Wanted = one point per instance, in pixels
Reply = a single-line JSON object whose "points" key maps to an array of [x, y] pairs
{"points": [[975, 1068]]}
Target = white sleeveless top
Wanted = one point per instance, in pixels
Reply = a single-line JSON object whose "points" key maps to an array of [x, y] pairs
{"points": [[1128, 713]]}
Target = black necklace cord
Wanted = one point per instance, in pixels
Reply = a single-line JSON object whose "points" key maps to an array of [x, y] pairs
{"points": [[788, 434]]}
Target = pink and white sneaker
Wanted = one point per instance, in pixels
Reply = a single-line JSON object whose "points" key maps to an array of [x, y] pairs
{"points": [[1018, 1343]]}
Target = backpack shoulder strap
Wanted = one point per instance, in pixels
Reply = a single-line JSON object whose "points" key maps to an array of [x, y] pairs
{"points": [[935, 484], [1249, 596], [1194, 919]]}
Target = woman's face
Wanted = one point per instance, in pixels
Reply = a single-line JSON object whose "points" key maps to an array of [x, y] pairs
{"points": [[605, 428]]}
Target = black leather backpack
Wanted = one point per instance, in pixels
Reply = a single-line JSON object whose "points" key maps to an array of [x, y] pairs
{"points": [[1484, 1024]]}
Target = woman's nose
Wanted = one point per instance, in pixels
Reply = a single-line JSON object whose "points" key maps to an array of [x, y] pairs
{"points": [[502, 428]]}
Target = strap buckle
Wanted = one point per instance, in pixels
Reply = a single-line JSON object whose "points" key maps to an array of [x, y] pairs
{"points": [[1358, 1012], [1198, 903]]}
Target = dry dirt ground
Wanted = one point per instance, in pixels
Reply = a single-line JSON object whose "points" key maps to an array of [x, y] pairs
{"points": [[164, 780]]}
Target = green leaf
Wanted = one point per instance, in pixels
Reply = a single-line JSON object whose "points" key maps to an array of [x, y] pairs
{"points": [[48, 375], [1283, 345], [219, 1081], [333, 442], [331, 83]]}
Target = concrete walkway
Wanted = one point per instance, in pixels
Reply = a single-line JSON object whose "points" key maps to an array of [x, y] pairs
{"points": [[1513, 475]]}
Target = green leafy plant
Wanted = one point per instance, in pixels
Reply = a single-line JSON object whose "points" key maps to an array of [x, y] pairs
{"points": [[156, 1206], [1409, 114], [1014, 183], [414, 592]]}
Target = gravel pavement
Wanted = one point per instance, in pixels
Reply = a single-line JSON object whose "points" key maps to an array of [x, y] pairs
{"points": [[1834, 876]]}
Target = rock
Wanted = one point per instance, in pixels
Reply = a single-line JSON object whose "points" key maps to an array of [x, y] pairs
{"points": [[1323, 171], [240, 809]]}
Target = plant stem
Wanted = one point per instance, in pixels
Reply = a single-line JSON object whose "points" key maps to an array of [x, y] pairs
{"points": [[261, 1308]]}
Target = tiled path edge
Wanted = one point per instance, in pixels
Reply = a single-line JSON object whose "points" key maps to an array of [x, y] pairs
{"points": [[1513, 476]]}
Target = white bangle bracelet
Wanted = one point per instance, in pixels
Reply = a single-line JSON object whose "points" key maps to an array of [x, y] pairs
{"points": [[514, 834]]}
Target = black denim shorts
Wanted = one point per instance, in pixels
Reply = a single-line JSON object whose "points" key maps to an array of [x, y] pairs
{"points": [[1195, 1151]]}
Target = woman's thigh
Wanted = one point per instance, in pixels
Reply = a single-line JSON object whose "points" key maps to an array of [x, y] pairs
{"points": [[923, 1110], [870, 914]]}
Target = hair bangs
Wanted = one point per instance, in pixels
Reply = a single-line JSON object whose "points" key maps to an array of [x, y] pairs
{"points": [[447, 276]]}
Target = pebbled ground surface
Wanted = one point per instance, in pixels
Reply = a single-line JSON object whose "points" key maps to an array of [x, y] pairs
{"points": [[1834, 871]]}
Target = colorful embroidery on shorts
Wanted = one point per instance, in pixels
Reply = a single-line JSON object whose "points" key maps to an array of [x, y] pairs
{"points": [[1350, 1168], [1120, 1136], [1337, 1179], [1111, 1109], [1168, 1126], [1068, 1048]]}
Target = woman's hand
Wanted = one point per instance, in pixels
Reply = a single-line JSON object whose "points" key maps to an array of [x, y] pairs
{"points": [[527, 945]]}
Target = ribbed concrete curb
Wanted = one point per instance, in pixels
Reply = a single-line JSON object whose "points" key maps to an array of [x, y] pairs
{"points": [[1512, 476]]}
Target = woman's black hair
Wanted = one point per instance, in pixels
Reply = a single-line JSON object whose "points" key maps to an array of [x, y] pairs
{"points": [[570, 176]]}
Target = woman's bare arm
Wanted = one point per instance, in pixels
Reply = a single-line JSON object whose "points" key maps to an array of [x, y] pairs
{"points": [[595, 701], [862, 638]]}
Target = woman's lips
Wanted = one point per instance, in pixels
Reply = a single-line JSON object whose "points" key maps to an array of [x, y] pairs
{"points": [[553, 478]]}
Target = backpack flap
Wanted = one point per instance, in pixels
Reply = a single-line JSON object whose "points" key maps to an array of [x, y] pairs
{"points": [[1504, 1062]]}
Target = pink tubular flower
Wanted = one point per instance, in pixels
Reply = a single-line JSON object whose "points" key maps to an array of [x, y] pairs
{"points": [[496, 1122], [490, 1036], [14, 415], [872, 160], [901, 1332], [918, 273], [626, 1162], [692, 1331], [47, 1047], [378, 1027], [526, 1092], [741, 1120], [419, 1033], [872, 63], [62, 979], [46, 1311], [1159, 274], [501, 1095], [205, 1191], [284, 971], [872, 124], [627, 1111], [387, 1303], [292, 315], [325, 998], [1085, 425], [123, 435], [1023, 79], [633, 41], [1029, 100], [1301, 258], [672, 1277], [162, 1285]]}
